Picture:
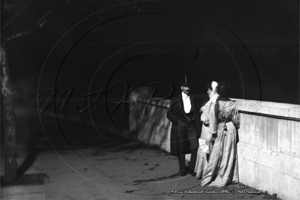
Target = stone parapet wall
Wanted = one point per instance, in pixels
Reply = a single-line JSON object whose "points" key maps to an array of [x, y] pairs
{"points": [[268, 148]]}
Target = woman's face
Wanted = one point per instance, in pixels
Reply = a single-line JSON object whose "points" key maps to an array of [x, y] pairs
{"points": [[208, 91]]}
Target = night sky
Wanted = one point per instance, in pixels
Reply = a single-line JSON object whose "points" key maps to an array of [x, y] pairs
{"points": [[252, 45]]}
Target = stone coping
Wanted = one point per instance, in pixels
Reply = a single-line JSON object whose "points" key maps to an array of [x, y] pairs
{"points": [[270, 108], [252, 106]]}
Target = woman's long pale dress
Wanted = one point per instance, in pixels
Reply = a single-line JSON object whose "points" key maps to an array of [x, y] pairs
{"points": [[222, 168], [204, 148]]}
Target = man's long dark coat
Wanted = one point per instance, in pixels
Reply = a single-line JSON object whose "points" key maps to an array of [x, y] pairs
{"points": [[176, 110]]}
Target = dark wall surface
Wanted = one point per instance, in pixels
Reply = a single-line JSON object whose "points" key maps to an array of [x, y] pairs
{"points": [[85, 45]]}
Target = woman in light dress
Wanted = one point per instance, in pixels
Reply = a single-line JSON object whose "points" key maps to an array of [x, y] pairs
{"points": [[224, 121], [204, 141]]}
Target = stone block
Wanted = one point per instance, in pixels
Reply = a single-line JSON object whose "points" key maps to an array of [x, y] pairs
{"points": [[155, 138], [269, 171], [294, 112], [246, 171], [285, 133], [295, 139]]}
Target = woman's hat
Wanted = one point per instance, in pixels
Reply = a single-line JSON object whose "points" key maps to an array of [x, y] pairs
{"points": [[214, 85], [223, 89]]}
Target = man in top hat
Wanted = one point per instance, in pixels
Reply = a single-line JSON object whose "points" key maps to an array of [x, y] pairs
{"points": [[184, 113]]}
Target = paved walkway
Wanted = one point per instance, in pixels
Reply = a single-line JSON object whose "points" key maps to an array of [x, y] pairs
{"points": [[81, 163]]}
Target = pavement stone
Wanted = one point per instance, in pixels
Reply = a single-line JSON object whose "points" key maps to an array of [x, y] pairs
{"points": [[82, 165]]}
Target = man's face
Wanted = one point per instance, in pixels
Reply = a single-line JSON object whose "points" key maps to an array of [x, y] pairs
{"points": [[185, 89]]}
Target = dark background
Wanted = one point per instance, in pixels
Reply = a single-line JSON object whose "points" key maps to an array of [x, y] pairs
{"points": [[85, 45]]}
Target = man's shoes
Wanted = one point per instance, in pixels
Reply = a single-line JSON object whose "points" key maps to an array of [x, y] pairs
{"points": [[183, 172], [192, 173]]}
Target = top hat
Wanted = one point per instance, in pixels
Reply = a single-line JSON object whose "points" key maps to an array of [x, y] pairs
{"points": [[184, 81]]}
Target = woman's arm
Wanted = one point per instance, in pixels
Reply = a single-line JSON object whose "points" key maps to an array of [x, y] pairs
{"points": [[213, 123], [236, 117]]}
